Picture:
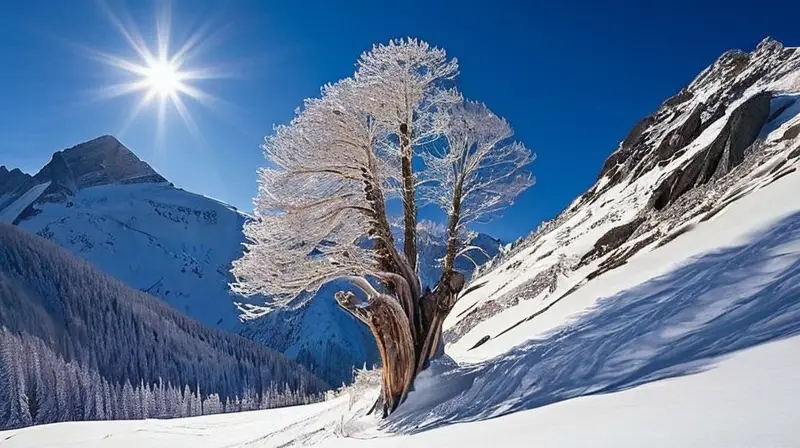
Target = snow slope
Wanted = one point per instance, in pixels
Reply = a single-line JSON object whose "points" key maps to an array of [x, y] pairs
{"points": [[731, 132], [720, 413], [11, 212], [154, 237], [705, 354]]}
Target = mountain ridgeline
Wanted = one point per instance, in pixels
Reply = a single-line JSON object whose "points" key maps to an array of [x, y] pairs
{"points": [[76, 344], [105, 205], [732, 131]]}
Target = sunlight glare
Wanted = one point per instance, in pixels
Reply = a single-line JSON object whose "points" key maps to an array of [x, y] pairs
{"points": [[163, 78], [155, 72]]}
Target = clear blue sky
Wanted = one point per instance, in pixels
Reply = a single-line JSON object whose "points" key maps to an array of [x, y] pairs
{"points": [[571, 77]]}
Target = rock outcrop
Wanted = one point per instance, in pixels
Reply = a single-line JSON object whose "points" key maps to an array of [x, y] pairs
{"points": [[656, 139], [724, 153], [101, 161]]}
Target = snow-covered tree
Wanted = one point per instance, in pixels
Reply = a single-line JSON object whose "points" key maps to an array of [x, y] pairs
{"points": [[397, 130], [476, 173], [410, 79]]}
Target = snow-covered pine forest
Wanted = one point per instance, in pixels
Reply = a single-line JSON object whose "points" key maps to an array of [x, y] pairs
{"points": [[76, 344]]}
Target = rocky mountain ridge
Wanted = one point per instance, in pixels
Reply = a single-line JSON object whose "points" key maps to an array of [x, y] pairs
{"points": [[101, 161], [733, 130]]}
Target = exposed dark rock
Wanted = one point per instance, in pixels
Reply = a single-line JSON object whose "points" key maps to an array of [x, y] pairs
{"points": [[783, 173], [725, 152], [792, 132], [101, 161], [480, 342], [630, 140], [60, 176], [681, 97], [611, 240], [682, 135], [14, 181], [621, 256], [617, 236], [795, 153], [676, 233]]}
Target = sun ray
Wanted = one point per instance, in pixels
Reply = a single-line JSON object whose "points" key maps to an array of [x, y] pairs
{"points": [[117, 90], [163, 24], [185, 115], [132, 35], [137, 109]]}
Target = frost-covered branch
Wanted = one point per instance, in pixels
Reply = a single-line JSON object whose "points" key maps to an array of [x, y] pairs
{"points": [[409, 77], [319, 202], [479, 171]]}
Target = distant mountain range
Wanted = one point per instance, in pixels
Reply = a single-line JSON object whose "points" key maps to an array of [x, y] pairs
{"points": [[104, 204]]}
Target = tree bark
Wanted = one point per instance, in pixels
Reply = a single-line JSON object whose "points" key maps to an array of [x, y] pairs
{"points": [[404, 352], [388, 323], [409, 197]]}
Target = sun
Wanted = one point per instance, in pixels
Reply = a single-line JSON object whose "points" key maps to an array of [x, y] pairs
{"points": [[164, 79], [159, 71]]}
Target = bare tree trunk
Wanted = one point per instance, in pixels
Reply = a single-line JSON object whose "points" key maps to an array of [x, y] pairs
{"points": [[388, 323], [409, 198], [402, 354], [452, 230], [406, 323]]}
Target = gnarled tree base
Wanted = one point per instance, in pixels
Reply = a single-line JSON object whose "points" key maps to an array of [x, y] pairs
{"points": [[405, 349]]}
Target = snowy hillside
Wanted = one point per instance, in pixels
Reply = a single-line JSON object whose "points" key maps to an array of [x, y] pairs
{"points": [[76, 344], [661, 308], [101, 202]]}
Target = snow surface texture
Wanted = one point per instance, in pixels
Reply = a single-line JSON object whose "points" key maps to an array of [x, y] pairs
{"points": [[680, 330]]}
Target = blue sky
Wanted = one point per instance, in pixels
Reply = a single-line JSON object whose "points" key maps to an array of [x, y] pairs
{"points": [[571, 77]]}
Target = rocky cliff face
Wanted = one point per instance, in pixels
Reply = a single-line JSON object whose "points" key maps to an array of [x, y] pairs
{"points": [[731, 131], [102, 161], [738, 82]]}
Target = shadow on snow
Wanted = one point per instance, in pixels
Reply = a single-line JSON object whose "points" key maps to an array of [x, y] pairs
{"points": [[672, 325]]}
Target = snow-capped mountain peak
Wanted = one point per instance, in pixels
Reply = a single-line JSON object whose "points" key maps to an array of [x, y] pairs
{"points": [[101, 161]]}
